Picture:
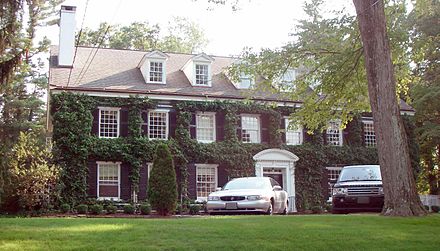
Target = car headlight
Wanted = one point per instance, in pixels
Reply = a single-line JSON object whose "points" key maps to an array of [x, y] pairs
{"points": [[254, 197], [380, 190], [213, 198], [340, 191]]}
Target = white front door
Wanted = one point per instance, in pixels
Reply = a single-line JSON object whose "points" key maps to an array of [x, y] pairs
{"points": [[280, 165]]}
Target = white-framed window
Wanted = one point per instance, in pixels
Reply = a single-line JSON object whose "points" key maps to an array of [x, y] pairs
{"points": [[287, 80], [369, 134], [294, 133], [156, 72], [246, 81], [108, 122], [250, 128], [205, 127], [206, 180], [334, 133], [109, 180], [158, 124], [333, 175], [202, 74]]}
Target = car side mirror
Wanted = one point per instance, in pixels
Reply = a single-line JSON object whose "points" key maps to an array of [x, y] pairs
{"points": [[218, 189], [277, 188]]}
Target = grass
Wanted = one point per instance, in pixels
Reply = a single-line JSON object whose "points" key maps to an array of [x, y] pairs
{"points": [[314, 232]]}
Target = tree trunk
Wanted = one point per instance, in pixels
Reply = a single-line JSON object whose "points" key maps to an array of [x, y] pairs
{"points": [[401, 198]]}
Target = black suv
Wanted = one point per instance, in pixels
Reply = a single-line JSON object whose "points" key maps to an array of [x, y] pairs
{"points": [[359, 188]]}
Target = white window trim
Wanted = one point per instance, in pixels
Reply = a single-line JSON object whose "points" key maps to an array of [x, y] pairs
{"points": [[118, 116], [209, 74], [281, 81], [213, 114], [371, 122], [98, 163], [300, 128], [163, 71], [243, 76], [215, 166], [259, 127], [167, 112], [341, 133]]}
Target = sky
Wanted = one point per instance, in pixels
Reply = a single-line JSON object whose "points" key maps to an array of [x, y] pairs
{"points": [[257, 24]]}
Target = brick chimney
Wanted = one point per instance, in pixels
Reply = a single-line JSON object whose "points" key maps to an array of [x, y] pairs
{"points": [[67, 36]]}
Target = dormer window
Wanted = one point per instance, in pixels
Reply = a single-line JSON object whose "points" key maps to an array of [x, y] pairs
{"points": [[153, 67], [246, 81], [202, 74], [198, 70], [156, 72], [287, 80]]}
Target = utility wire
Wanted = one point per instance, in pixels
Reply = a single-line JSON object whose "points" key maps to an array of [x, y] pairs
{"points": [[99, 46], [77, 41]]}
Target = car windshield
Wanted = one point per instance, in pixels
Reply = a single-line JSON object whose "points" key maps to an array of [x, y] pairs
{"points": [[247, 184], [364, 173]]}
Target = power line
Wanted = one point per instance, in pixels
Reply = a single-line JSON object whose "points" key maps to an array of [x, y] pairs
{"points": [[99, 45], [77, 41]]}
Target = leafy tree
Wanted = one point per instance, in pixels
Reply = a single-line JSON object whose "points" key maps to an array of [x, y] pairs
{"points": [[162, 187], [336, 57], [19, 19], [22, 82], [401, 198], [426, 90], [32, 178], [137, 35], [183, 36]]}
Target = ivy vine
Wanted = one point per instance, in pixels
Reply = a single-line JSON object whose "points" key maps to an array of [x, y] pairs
{"points": [[74, 144]]}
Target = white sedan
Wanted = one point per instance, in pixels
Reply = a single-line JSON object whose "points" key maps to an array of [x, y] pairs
{"points": [[252, 194]]}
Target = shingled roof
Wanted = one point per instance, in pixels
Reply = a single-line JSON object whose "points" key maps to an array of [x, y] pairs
{"points": [[114, 70]]}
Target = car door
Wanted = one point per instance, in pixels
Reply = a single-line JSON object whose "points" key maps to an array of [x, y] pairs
{"points": [[278, 196]]}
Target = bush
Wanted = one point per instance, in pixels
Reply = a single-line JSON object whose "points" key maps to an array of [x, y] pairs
{"points": [[82, 208], [316, 209], [96, 209], [65, 208], [162, 190], [328, 207], [111, 209], [129, 209], [435, 209], [145, 208], [194, 209], [29, 180], [427, 208]]}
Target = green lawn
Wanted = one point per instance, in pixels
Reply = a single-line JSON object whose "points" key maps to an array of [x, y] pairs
{"points": [[314, 232]]}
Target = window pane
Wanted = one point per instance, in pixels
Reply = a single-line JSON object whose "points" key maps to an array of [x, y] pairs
{"points": [[157, 125], [369, 134], [250, 132], [108, 174], [293, 135], [201, 74], [334, 134], [156, 71], [206, 181], [108, 123], [205, 127]]}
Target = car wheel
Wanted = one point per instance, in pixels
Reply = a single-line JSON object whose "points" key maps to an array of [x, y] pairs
{"points": [[286, 208], [270, 209]]}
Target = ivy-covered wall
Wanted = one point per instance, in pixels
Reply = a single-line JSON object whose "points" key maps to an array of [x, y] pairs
{"points": [[75, 145]]}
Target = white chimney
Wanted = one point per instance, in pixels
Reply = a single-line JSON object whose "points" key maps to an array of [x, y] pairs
{"points": [[67, 36]]}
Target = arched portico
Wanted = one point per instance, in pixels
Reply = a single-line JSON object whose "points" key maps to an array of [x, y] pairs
{"points": [[279, 164]]}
